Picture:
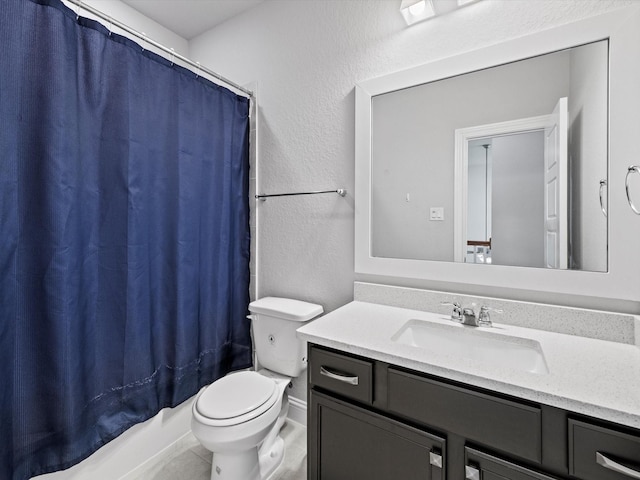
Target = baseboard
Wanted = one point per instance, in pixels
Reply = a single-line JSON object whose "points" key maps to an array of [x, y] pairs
{"points": [[297, 410]]}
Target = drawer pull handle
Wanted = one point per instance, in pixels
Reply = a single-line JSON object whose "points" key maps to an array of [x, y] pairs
{"points": [[471, 473], [336, 376], [606, 462]]}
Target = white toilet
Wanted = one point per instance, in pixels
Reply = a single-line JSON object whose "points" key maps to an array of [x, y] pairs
{"points": [[239, 416]]}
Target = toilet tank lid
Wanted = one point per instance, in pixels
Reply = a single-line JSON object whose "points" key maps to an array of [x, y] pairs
{"points": [[287, 308]]}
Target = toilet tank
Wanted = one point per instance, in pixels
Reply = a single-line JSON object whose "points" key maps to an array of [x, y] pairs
{"points": [[275, 321]]}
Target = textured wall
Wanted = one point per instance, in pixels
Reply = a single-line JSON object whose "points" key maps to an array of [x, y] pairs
{"points": [[306, 56], [134, 19]]}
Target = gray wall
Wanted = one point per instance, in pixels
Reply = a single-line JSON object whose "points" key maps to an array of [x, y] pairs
{"points": [[518, 200], [587, 157]]}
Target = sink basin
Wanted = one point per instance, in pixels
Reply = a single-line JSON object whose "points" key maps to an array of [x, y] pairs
{"points": [[488, 348]]}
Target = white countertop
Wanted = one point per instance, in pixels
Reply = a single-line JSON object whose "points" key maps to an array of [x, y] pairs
{"points": [[588, 376]]}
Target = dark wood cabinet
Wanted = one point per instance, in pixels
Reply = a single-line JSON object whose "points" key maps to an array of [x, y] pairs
{"points": [[505, 425], [351, 443], [602, 453], [369, 420]]}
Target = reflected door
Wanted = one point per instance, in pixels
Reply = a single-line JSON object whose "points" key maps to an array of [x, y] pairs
{"points": [[555, 206]]}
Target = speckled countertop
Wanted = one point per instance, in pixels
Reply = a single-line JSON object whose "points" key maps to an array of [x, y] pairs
{"points": [[593, 377]]}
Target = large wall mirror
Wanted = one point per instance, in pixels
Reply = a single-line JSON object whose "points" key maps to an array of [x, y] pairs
{"points": [[499, 164]]}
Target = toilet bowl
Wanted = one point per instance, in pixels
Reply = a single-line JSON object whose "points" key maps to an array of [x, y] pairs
{"points": [[239, 417]]}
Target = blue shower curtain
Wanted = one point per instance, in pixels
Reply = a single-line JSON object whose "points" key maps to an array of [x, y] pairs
{"points": [[124, 251]]}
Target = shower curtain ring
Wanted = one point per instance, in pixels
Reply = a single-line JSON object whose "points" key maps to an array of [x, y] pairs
{"points": [[110, 25], [198, 71], [78, 10], [144, 40], [173, 56]]}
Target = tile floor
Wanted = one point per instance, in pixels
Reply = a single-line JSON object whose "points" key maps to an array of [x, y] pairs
{"points": [[192, 462]]}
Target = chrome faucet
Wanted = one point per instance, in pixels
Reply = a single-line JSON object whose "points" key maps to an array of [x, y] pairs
{"points": [[456, 313], [467, 315], [484, 319]]}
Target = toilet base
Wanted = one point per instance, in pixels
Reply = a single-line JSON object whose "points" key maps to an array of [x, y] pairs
{"points": [[236, 466], [271, 452], [271, 459]]}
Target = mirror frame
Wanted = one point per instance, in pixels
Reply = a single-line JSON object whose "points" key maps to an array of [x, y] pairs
{"points": [[621, 28]]}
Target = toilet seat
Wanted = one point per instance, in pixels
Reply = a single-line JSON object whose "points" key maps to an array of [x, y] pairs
{"points": [[237, 398]]}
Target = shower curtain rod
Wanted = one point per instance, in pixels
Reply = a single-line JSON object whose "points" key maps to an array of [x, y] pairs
{"points": [[142, 36]]}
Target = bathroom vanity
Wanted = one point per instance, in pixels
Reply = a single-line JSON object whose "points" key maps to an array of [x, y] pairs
{"points": [[381, 407]]}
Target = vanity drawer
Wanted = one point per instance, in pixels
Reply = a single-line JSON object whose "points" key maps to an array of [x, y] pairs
{"points": [[342, 374], [506, 425], [599, 453], [479, 465]]}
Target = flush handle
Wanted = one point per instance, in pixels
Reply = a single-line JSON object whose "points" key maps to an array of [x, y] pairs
{"points": [[606, 462], [351, 380]]}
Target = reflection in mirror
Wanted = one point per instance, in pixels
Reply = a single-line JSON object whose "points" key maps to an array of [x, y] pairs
{"points": [[528, 164], [477, 248], [486, 168]]}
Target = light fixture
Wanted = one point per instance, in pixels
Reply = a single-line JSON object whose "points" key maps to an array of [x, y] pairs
{"points": [[416, 10]]}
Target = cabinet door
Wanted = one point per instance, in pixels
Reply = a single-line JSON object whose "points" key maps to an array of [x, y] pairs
{"points": [[349, 443], [481, 466]]}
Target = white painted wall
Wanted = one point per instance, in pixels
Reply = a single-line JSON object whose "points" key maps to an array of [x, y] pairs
{"points": [[134, 19]]}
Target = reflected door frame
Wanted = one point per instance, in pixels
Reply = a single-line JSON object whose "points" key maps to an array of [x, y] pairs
{"points": [[461, 178]]}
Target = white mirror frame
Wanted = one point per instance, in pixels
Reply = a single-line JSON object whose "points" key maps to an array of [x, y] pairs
{"points": [[622, 281]]}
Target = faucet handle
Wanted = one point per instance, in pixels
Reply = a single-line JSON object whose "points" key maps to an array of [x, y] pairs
{"points": [[456, 313], [484, 319]]}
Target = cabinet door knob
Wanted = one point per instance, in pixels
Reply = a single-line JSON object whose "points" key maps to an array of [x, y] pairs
{"points": [[606, 462], [435, 459], [471, 473], [339, 377]]}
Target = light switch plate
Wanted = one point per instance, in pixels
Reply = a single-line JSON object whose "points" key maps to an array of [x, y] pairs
{"points": [[436, 214]]}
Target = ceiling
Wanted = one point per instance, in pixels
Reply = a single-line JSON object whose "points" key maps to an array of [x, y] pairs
{"points": [[190, 18]]}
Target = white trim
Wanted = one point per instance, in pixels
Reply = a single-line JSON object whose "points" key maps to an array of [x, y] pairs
{"points": [[297, 411]]}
